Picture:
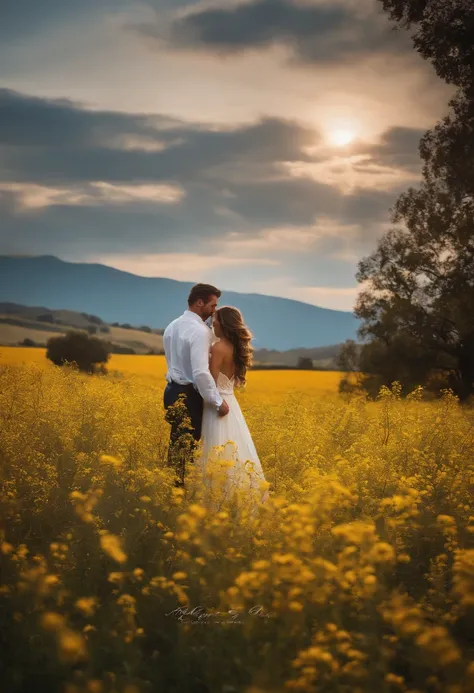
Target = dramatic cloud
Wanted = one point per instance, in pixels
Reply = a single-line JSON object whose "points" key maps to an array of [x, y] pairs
{"points": [[314, 33], [28, 121], [255, 143], [399, 149], [58, 156], [31, 196], [66, 143]]}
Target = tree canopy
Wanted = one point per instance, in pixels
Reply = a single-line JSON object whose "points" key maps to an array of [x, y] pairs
{"points": [[417, 311], [442, 32]]}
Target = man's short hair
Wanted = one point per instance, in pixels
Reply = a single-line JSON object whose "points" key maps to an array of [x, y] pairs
{"points": [[204, 292]]}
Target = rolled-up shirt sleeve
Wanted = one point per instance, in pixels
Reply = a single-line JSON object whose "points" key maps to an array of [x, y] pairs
{"points": [[205, 383]]}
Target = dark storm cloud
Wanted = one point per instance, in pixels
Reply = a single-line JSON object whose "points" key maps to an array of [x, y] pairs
{"points": [[293, 201], [399, 149], [56, 142], [193, 224], [21, 18], [30, 121], [140, 226], [232, 180], [315, 34]]}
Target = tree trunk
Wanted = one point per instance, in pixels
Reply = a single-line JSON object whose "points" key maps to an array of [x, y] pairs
{"points": [[465, 384]]}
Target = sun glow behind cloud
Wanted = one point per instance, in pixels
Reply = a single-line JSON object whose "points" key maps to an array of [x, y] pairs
{"points": [[341, 136]]}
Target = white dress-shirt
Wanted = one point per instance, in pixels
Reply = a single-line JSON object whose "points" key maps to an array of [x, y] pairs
{"points": [[187, 343]]}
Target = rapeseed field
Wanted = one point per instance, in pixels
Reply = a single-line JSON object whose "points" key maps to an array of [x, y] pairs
{"points": [[356, 577]]}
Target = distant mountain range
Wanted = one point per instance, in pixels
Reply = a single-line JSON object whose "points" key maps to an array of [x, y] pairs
{"points": [[35, 325], [116, 296]]}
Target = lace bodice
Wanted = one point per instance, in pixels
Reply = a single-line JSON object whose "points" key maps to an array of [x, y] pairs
{"points": [[225, 385]]}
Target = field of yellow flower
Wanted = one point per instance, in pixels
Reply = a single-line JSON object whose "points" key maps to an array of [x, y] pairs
{"points": [[356, 577]]}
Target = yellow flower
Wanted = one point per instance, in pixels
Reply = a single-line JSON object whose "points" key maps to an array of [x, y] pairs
{"points": [[283, 558], [446, 520], [72, 646], [197, 510], [87, 605], [382, 552], [111, 545], [261, 565], [403, 558], [77, 495], [127, 601], [295, 606], [51, 580], [109, 459], [52, 621], [355, 532]]}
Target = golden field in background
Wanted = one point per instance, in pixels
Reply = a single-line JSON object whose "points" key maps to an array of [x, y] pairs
{"points": [[154, 368], [357, 576]]}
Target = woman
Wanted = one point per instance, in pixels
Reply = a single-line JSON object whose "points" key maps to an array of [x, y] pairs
{"points": [[228, 453]]}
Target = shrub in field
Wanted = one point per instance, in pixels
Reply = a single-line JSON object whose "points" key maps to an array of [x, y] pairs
{"points": [[357, 577], [79, 347], [305, 363], [27, 342]]}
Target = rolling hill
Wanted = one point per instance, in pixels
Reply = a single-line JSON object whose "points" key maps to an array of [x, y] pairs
{"points": [[37, 324], [277, 323]]}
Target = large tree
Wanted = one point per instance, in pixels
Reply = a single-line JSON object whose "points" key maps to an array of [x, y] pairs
{"points": [[418, 309], [442, 32]]}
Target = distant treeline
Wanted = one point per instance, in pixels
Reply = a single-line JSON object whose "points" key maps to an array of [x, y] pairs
{"points": [[279, 367]]}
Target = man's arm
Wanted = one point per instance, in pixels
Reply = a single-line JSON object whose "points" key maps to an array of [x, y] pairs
{"points": [[205, 383], [167, 350], [166, 341]]}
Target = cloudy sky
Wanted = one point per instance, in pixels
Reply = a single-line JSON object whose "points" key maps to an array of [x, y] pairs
{"points": [[256, 144]]}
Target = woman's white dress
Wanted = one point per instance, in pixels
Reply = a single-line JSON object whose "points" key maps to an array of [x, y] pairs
{"points": [[228, 457]]}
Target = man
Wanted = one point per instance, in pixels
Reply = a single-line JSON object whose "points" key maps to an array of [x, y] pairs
{"points": [[187, 343]]}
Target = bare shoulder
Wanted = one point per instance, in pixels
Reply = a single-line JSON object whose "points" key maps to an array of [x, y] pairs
{"points": [[218, 347], [222, 348]]}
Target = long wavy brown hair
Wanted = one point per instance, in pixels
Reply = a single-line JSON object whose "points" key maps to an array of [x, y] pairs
{"points": [[238, 334]]}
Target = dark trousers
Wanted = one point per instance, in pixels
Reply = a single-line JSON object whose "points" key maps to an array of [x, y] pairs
{"points": [[184, 409]]}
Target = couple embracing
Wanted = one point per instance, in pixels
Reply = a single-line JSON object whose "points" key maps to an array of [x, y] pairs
{"points": [[205, 364]]}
